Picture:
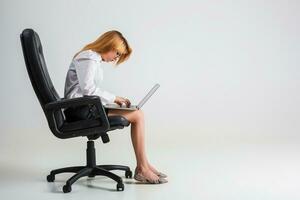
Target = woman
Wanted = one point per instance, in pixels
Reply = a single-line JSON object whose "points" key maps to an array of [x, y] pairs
{"points": [[85, 70]]}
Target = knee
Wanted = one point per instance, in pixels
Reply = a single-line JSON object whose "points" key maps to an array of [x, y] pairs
{"points": [[139, 115]]}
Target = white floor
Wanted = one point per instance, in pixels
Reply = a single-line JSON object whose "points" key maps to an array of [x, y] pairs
{"points": [[239, 170]]}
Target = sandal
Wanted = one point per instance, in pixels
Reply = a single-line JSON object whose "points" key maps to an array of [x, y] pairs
{"points": [[143, 179], [160, 174]]}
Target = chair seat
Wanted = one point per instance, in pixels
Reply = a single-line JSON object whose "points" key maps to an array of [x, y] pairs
{"points": [[118, 120], [115, 122]]}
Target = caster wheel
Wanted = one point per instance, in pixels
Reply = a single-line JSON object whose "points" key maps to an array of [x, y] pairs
{"points": [[120, 187], [128, 174], [50, 178], [91, 175], [67, 189]]}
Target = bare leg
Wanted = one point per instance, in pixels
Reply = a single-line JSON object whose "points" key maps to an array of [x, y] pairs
{"points": [[137, 121]]}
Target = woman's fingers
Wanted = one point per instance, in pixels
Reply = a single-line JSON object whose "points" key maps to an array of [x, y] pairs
{"points": [[122, 100], [128, 102]]}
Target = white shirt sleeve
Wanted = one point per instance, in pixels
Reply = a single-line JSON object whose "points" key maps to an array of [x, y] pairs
{"points": [[85, 69]]}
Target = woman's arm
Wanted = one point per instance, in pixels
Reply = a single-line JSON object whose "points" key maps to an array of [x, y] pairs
{"points": [[85, 69]]}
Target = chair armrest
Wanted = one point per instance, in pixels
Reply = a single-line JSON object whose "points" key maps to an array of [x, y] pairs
{"points": [[78, 101], [73, 102]]}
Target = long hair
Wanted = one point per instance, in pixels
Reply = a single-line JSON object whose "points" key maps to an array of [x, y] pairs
{"points": [[110, 40]]}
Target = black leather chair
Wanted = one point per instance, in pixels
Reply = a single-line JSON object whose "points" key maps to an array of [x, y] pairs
{"points": [[54, 107]]}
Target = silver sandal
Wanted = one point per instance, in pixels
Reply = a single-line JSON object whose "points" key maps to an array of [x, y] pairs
{"points": [[160, 174], [143, 179]]}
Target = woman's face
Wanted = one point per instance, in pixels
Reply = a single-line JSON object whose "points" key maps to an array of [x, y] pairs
{"points": [[110, 56]]}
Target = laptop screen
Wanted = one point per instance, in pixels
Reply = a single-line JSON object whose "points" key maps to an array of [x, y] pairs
{"points": [[150, 93]]}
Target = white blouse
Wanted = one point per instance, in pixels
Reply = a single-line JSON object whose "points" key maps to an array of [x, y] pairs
{"points": [[83, 76]]}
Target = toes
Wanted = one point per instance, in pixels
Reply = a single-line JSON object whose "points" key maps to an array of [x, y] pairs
{"points": [[162, 180], [147, 177]]}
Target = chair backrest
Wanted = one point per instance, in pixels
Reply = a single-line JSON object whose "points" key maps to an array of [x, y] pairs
{"points": [[38, 73]]}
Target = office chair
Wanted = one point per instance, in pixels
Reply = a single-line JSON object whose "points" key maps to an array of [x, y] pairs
{"points": [[54, 107]]}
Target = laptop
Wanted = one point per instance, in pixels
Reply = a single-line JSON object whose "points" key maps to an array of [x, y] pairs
{"points": [[133, 107]]}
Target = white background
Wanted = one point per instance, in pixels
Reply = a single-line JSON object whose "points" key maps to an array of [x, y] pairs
{"points": [[229, 75]]}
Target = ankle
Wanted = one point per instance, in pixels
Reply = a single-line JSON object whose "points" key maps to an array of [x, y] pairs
{"points": [[142, 168]]}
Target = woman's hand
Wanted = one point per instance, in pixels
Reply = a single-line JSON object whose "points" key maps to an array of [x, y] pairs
{"points": [[121, 100]]}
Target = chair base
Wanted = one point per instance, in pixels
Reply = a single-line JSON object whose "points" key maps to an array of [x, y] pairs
{"points": [[91, 170]]}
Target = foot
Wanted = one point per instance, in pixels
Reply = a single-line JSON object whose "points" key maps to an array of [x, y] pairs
{"points": [[159, 174], [145, 175]]}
